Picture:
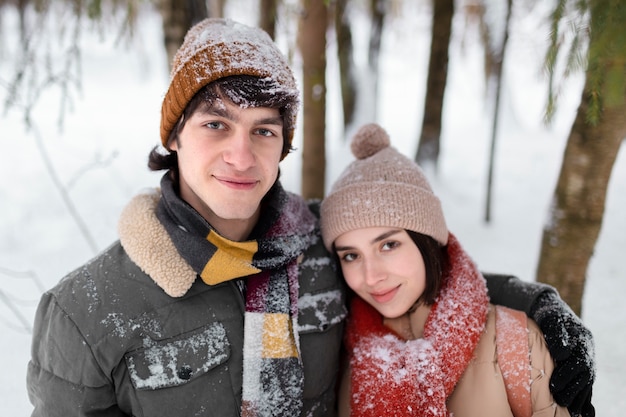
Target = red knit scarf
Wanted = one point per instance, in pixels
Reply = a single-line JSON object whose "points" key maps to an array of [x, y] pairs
{"points": [[395, 377]]}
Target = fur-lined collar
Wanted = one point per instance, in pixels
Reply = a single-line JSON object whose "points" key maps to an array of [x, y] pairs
{"points": [[148, 245]]}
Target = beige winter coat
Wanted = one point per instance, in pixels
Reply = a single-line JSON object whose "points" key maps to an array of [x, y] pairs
{"points": [[481, 391]]}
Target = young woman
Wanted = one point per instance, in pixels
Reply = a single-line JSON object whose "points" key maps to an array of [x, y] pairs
{"points": [[422, 338]]}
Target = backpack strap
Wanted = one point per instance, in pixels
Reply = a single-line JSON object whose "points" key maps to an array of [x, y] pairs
{"points": [[514, 358]]}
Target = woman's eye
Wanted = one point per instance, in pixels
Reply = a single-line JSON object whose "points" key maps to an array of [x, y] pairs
{"points": [[348, 257], [390, 245]]}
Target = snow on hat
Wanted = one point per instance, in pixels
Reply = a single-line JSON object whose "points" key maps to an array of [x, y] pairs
{"points": [[381, 188], [216, 48]]}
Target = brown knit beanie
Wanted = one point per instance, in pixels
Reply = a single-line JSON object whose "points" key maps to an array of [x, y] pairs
{"points": [[216, 48], [382, 188]]}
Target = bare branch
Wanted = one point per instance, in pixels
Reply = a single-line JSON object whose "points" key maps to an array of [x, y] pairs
{"points": [[32, 275], [20, 317], [69, 204], [96, 163]]}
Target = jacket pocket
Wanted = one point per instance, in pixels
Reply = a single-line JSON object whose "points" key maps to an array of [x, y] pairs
{"points": [[320, 326], [320, 311], [178, 360]]}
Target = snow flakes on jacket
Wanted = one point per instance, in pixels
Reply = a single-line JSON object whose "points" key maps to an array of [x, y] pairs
{"points": [[146, 337]]}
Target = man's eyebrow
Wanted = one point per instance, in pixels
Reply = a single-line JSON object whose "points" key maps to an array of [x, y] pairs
{"points": [[277, 120], [217, 111], [225, 113]]}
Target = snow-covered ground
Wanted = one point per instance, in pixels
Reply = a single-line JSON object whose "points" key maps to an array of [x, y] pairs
{"points": [[100, 157]]}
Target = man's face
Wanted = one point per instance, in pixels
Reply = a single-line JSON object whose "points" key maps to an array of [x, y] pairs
{"points": [[228, 159]]}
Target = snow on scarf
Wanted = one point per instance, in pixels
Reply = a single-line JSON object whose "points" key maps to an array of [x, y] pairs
{"points": [[272, 368], [395, 377]]}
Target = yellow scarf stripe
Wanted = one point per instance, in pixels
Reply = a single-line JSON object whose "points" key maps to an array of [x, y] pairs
{"points": [[278, 340], [231, 260]]}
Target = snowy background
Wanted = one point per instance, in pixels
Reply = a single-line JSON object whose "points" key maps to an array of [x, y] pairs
{"points": [[101, 151]]}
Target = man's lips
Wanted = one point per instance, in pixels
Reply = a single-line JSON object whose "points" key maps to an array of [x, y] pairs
{"points": [[384, 296], [237, 183]]}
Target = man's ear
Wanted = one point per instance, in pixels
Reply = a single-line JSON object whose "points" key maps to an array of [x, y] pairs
{"points": [[173, 142]]}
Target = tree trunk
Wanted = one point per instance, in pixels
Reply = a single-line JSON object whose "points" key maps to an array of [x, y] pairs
{"points": [[496, 61], [429, 142], [178, 17], [575, 217], [216, 8], [312, 46], [346, 62], [378, 10], [267, 18]]}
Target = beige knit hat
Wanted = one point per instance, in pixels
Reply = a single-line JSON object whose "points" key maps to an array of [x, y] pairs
{"points": [[382, 188], [216, 48]]}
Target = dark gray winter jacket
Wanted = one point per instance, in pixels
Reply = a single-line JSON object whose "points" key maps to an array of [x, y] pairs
{"points": [[144, 337]]}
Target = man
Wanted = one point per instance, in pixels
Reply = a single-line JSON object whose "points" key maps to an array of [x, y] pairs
{"points": [[219, 297]]}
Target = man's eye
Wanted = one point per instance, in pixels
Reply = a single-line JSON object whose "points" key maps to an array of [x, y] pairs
{"points": [[215, 125], [265, 132]]}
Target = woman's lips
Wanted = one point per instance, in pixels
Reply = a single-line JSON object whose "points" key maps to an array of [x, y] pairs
{"points": [[384, 295]]}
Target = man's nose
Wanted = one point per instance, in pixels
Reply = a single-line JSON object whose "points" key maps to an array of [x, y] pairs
{"points": [[239, 152]]}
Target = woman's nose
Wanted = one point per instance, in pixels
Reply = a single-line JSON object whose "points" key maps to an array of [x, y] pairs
{"points": [[374, 271]]}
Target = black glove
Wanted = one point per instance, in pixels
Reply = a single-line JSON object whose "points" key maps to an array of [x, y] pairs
{"points": [[572, 348]]}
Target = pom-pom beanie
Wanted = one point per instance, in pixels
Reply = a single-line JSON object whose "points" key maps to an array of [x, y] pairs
{"points": [[215, 48], [381, 188]]}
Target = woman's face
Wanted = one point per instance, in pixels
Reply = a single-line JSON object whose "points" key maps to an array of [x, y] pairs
{"points": [[384, 267]]}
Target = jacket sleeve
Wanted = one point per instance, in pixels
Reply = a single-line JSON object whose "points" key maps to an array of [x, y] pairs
{"points": [[510, 291], [63, 377], [569, 341], [542, 366]]}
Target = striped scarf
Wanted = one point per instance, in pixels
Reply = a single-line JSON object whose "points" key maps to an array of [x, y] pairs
{"points": [[272, 368], [396, 377]]}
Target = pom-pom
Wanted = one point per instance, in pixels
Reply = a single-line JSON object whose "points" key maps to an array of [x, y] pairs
{"points": [[370, 139]]}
